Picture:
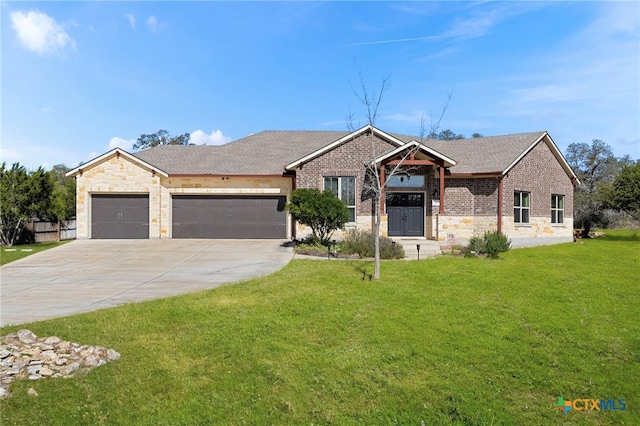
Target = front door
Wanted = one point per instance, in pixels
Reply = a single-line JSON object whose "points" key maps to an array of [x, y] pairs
{"points": [[405, 214]]}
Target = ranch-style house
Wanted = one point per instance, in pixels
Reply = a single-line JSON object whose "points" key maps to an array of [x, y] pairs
{"points": [[444, 190]]}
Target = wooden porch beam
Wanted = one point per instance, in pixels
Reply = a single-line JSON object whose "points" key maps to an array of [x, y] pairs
{"points": [[410, 162], [382, 179], [441, 211]]}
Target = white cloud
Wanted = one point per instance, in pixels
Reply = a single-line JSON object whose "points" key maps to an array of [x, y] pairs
{"points": [[40, 33], [126, 144], [152, 22], [589, 86], [216, 137], [413, 117], [484, 19], [132, 19]]}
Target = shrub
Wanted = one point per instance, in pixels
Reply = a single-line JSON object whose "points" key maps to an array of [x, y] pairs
{"points": [[322, 211], [363, 243], [492, 243]]}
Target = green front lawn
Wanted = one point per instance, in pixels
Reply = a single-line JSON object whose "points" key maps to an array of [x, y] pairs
{"points": [[444, 341], [9, 254]]}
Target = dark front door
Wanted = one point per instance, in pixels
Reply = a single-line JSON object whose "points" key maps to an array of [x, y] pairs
{"points": [[405, 214]]}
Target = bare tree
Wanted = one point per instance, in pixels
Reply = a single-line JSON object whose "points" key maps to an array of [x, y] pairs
{"points": [[377, 176]]}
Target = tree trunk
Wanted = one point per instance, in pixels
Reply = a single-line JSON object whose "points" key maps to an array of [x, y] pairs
{"points": [[376, 271], [12, 241]]}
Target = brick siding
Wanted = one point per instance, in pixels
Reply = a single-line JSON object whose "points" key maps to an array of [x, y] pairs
{"points": [[347, 159], [471, 197], [539, 173]]}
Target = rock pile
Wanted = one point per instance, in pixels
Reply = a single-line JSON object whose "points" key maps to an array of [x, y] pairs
{"points": [[25, 356]]}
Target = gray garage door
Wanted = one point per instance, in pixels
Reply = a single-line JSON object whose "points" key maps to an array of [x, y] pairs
{"points": [[119, 216], [228, 217]]}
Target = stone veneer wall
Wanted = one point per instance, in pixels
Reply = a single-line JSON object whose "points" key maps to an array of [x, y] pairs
{"points": [[119, 175], [116, 175]]}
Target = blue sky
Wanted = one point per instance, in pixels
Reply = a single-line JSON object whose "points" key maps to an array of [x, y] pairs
{"points": [[79, 78]]}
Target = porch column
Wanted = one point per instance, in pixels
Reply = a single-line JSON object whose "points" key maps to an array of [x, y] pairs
{"points": [[382, 179], [500, 196], [441, 190]]}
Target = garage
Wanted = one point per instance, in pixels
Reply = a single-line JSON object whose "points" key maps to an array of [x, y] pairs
{"points": [[232, 217], [123, 216]]}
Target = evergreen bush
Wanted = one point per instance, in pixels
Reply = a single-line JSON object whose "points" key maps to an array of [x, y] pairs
{"points": [[363, 243], [492, 243]]}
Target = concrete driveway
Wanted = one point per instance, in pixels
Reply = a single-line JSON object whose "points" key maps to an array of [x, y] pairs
{"points": [[85, 275]]}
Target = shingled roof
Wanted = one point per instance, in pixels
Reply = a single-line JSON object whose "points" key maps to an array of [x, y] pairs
{"points": [[267, 152], [486, 154], [263, 153]]}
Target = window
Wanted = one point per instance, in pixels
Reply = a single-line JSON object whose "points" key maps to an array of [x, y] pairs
{"points": [[557, 208], [345, 189], [521, 207], [406, 181]]}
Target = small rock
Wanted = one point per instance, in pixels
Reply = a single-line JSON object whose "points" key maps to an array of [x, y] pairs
{"points": [[46, 372], [112, 355], [31, 351], [19, 363], [33, 369], [26, 336], [3, 392], [4, 353], [32, 392], [51, 355], [64, 347], [90, 361], [35, 377], [52, 340], [70, 369]]}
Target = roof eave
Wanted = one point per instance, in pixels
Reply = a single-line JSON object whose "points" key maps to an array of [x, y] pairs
{"points": [[448, 162], [117, 152], [556, 153], [345, 138]]}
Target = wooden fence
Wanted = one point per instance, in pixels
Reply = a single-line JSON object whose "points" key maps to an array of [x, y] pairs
{"points": [[47, 231]]}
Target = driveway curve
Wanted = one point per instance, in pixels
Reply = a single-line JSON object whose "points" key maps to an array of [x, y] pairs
{"points": [[86, 275]]}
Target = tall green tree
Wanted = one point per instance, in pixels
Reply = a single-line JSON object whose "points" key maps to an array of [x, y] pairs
{"points": [[322, 211], [23, 196], [63, 203], [14, 195], [625, 190], [161, 137], [447, 135], [596, 166]]}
